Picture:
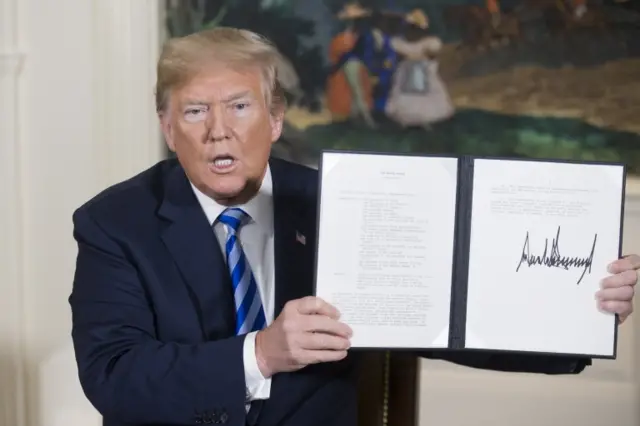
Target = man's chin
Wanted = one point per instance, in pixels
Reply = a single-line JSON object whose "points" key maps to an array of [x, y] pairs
{"points": [[230, 191]]}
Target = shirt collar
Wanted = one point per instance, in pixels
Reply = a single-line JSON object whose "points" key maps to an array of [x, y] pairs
{"points": [[259, 208]]}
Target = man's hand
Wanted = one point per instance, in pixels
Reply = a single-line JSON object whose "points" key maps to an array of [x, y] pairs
{"points": [[307, 331], [616, 295]]}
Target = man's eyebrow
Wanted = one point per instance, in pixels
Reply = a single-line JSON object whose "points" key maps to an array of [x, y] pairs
{"points": [[196, 102], [238, 95], [232, 97]]}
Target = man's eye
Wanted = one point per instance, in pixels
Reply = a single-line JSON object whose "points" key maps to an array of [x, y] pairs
{"points": [[195, 114], [241, 106]]}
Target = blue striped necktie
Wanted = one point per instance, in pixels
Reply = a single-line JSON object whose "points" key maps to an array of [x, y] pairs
{"points": [[249, 312]]}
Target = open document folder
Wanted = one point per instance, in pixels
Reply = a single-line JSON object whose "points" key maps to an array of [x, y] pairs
{"points": [[437, 252]]}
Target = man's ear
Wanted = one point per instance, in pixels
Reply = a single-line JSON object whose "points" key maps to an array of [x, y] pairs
{"points": [[277, 121], [165, 126]]}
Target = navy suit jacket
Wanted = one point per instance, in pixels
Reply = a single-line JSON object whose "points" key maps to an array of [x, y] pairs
{"points": [[153, 312]]}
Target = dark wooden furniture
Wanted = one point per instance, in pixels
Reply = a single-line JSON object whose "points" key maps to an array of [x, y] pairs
{"points": [[388, 389]]}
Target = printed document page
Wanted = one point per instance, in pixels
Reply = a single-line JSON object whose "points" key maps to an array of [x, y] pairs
{"points": [[385, 246], [542, 235]]}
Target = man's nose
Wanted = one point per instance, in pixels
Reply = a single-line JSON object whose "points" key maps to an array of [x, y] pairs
{"points": [[218, 128]]}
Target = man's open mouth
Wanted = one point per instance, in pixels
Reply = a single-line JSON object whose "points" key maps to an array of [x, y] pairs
{"points": [[223, 162]]}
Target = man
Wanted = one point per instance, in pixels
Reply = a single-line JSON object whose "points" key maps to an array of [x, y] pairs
{"points": [[173, 318]]}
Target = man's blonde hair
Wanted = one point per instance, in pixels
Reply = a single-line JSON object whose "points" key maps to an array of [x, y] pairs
{"points": [[184, 57]]}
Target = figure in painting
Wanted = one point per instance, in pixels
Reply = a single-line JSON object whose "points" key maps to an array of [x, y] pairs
{"points": [[493, 6], [579, 8], [418, 95], [374, 49], [384, 66], [368, 60], [349, 90]]}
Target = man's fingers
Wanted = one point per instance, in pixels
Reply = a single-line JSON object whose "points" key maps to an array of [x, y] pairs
{"points": [[319, 356], [621, 279], [619, 293], [322, 324], [623, 309], [323, 341], [314, 305], [627, 263]]}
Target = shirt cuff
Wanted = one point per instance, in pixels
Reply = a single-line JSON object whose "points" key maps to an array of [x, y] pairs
{"points": [[257, 386]]}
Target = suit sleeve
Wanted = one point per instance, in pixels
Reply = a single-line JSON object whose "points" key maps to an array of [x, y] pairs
{"points": [[517, 363], [125, 371]]}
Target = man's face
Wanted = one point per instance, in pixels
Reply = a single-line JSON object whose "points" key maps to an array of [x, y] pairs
{"points": [[221, 130]]}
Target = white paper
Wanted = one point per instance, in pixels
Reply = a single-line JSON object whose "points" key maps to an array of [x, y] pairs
{"points": [[385, 246], [519, 296]]}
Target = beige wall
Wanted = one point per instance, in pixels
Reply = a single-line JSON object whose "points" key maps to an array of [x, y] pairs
{"points": [[76, 114]]}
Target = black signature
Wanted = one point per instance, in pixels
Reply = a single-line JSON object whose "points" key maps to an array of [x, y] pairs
{"points": [[554, 259]]}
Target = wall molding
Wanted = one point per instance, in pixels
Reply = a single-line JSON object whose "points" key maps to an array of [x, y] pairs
{"points": [[11, 63], [12, 339], [126, 40]]}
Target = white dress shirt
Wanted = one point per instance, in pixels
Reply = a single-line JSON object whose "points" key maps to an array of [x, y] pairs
{"points": [[256, 238]]}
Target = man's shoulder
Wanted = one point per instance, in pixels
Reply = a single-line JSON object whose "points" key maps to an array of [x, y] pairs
{"points": [[140, 193], [290, 167], [299, 177]]}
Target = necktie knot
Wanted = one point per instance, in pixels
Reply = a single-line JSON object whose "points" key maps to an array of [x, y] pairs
{"points": [[234, 218]]}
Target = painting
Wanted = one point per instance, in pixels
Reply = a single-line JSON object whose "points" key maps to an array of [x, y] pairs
{"points": [[509, 78], [526, 78]]}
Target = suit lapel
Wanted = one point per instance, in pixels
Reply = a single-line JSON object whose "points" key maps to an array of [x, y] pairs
{"points": [[196, 251], [293, 255], [293, 252], [293, 249]]}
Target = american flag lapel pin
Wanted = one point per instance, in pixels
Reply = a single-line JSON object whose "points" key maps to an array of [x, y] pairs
{"points": [[301, 238]]}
